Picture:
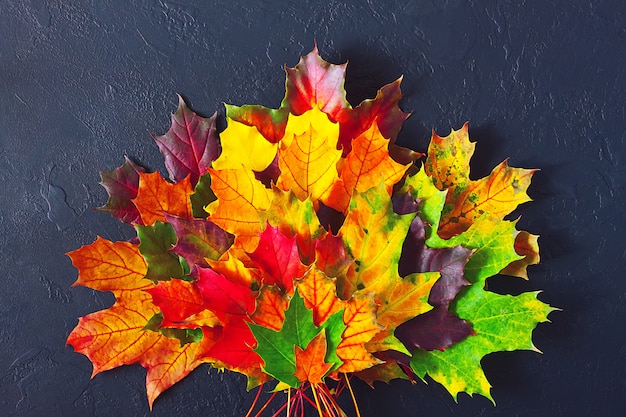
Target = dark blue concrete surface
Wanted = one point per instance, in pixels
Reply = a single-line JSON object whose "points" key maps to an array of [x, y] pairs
{"points": [[544, 83]]}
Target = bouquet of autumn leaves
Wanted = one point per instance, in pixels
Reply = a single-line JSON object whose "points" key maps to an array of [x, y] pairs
{"points": [[302, 245]]}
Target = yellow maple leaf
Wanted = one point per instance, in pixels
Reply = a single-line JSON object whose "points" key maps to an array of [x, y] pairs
{"points": [[308, 155], [243, 145], [496, 195]]}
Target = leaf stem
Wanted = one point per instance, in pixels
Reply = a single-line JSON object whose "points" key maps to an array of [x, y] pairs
{"points": [[265, 405], [258, 395], [317, 403], [356, 407]]}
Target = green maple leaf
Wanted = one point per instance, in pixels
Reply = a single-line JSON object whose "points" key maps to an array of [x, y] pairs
{"points": [[203, 195], [276, 348], [500, 323], [492, 241], [155, 244]]}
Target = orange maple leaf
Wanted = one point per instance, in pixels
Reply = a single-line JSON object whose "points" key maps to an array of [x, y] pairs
{"points": [[361, 326], [179, 301], [240, 197], [310, 365], [367, 164], [156, 196], [271, 305], [114, 337], [320, 294]]}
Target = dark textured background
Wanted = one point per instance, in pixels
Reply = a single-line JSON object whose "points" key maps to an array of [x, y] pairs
{"points": [[82, 83]]}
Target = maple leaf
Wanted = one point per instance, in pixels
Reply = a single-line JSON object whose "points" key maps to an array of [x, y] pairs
{"points": [[367, 164], [156, 197], [310, 364], [202, 196], [177, 300], [223, 295], [331, 256], [377, 249], [361, 327], [198, 240], [110, 266], [492, 242], [113, 337], [495, 195], [277, 257], [234, 351], [435, 329], [526, 245], [270, 308], [243, 145], [500, 323], [269, 122], [320, 294], [190, 144], [384, 372], [293, 217], [314, 82], [240, 197], [122, 184], [308, 160], [232, 266], [155, 245], [298, 329], [383, 111]]}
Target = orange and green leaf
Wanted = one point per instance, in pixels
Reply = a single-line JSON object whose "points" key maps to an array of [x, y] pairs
{"points": [[494, 196], [270, 308], [526, 245], [377, 249], [405, 298]]}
